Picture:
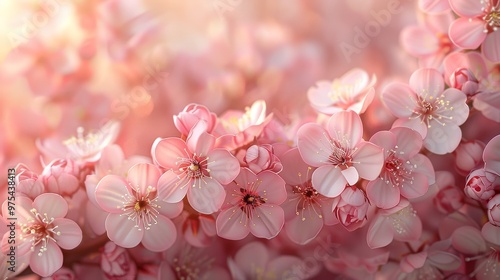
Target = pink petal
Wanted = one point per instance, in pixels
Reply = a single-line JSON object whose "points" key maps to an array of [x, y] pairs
{"points": [[491, 47], [328, 181], [384, 139], [49, 262], [267, 221], [314, 144], [53, 204], [170, 210], [368, 160], [246, 260], [167, 152], [434, 6], [199, 141], [491, 155], [295, 170], [143, 175], [380, 233], [353, 196], [232, 224], [171, 188], [422, 164], [223, 166], [491, 233], [409, 142], [383, 195], [285, 266], [413, 261], [122, 231], [413, 123], [457, 100], [442, 139], [160, 236], [471, 60], [444, 260], [419, 41], [488, 103], [407, 226], [272, 187], [466, 8], [304, 227], [346, 126], [467, 33], [351, 175], [98, 218], [468, 240], [416, 188], [71, 234], [427, 82], [206, 196], [398, 98], [109, 193]]}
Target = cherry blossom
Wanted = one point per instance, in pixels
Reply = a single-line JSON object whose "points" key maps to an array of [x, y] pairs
{"points": [[252, 205], [353, 91], [196, 168], [191, 115], [405, 173], [426, 107], [339, 152], [43, 231], [136, 214]]}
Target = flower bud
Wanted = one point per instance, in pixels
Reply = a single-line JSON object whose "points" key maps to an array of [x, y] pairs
{"points": [[480, 185], [494, 210], [191, 115], [464, 80], [260, 158], [468, 156], [449, 199], [116, 262]]}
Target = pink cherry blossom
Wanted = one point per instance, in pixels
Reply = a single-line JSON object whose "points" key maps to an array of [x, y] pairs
{"points": [[261, 157], [429, 40], [426, 107], [351, 208], [306, 210], [405, 173], [339, 152], [477, 26], [480, 185], [28, 183], [43, 231], [468, 156], [252, 205], [116, 262], [353, 91], [399, 223], [62, 176], [463, 79], [136, 214], [196, 168], [191, 114]]}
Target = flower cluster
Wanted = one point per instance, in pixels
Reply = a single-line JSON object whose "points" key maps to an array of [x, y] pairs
{"points": [[246, 163]]}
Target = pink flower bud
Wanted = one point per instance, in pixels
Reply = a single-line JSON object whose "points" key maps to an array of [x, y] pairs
{"points": [[468, 156], [191, 115], [464, 80], [480, 185], [62, 274], [352, 208], [449, 199], [260, 158], [62, 176], [116, 262], [494, 210]]}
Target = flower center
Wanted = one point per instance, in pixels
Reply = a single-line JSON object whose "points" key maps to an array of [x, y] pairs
{"points": [[395, 172], [341, 93], [194, 167], [491, 16], [39, 230], [142, 208], [340, 156], [432, 109], [249, 201]]}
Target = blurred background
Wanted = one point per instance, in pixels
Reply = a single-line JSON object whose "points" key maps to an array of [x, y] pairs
{"points": [[78, 63]]}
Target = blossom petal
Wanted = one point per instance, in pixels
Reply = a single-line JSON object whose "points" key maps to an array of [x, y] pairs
{"points": [[304, 226], [267, 221], [346, 127], [272, 187], [295, 170], [468, 240], [442, 139], [488, 103], [491, 47], [167, 152], [467, 33], [206, 195], [413, 123], [466, 8], [328, 181], [71, 234], [407, 225], [223, 166], [314, 144], [160, 236], [351, 175], [491, 233], [419, 41], [368, 160], [122, 231], [143, 175], [491, 155], [416, 188], [199, 141], [246, 260], [427, 82], [399, 97], [380, 233], [51, 204], [171, 188], [457, 100], [434, 6], [170, 210], [109, 193], [49, 262], [232, 224], [383, 195], [409, 142]]}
